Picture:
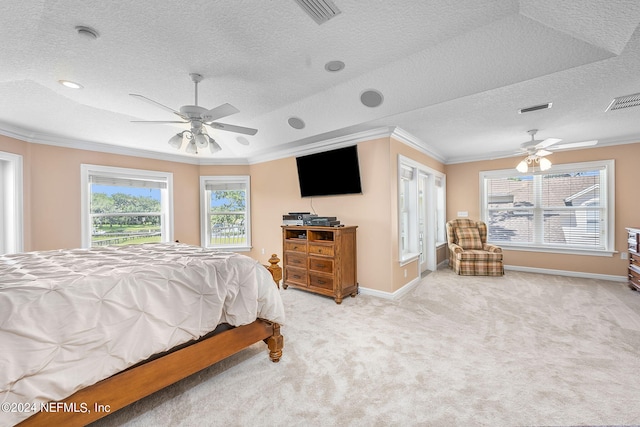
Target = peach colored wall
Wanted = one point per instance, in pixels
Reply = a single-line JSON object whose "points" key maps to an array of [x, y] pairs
{"points": [[52, 220], [463, 195], [275, 191], [52, 201]]}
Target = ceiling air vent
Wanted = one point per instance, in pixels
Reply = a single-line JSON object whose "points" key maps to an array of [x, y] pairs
{"points": [[624, 102], [535, 108], [319, 10]]}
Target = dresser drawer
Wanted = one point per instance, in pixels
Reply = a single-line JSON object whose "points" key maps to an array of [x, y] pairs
{"points": [[296, 276], [633, 240], [320, 281], [295, 259], [323, 265], [295, 246], [634, 277], [327, 250]]}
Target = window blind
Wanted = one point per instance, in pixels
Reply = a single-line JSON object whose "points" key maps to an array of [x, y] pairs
{"points": [[225, 186], [564, 209], [127, 182]]}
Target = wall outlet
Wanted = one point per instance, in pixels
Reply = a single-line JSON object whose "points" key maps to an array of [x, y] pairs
{"points": [[463, 214], [262, 250], [405, 272], [624, 255]]}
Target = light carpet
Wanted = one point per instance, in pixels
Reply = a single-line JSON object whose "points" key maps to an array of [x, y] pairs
{"points": [[523, 349]]}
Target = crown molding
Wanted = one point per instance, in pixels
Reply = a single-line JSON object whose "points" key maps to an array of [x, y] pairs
{"points": [[503, 155], [327, 141], [417, 144], [57, 141]]}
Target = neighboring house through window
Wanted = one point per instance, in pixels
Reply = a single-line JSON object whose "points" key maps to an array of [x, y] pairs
{"points": [[569, 208], [123, 206], [225, 212], [11, 206]]}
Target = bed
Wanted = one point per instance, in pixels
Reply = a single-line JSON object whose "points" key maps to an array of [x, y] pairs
{"points": [[86, 332]]}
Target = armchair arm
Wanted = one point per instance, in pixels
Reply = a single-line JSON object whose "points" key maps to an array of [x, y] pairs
{"points": [[491, 248], [455, 248]]}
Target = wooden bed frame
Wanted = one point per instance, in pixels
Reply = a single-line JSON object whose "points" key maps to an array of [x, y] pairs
{"points": [[122, 389]]}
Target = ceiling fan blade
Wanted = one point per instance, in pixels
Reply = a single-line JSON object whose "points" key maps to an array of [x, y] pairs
{"points": [[542, 153], [547, 142], [220, 111], [157, 104], [233, 128], [577, 144], [158, 121]]}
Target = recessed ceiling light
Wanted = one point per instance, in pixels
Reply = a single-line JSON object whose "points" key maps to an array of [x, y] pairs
{"points": [[296, 123], [70, 84], [371, 98], [334, 66], [242, 140]]}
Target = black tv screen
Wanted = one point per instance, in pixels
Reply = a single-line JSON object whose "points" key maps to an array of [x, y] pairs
{"points": [[329, 173]]}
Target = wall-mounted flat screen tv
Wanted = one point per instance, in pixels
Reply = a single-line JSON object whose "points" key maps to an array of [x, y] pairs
{"points": [[330, 173]]}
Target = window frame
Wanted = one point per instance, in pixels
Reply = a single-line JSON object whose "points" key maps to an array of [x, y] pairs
{"points": [[607, 195], [11, 203], [408, 174], [205, 222], [166, 198]]}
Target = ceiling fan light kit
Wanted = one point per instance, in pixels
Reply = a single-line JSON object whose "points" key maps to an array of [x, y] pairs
{"points": [[542, 162], [197, 117], [536, 151]]}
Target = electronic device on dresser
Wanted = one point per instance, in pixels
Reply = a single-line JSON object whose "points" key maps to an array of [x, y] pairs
{"points": [[321, 260], [306, 218], [634, 257]]}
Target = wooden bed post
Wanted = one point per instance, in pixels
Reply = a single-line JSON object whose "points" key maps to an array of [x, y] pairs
{"points": [[275, 269], [275, 343]]}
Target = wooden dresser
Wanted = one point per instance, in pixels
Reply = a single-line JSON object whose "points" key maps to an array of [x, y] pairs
{"points": [[321, 260], [634, 258]]}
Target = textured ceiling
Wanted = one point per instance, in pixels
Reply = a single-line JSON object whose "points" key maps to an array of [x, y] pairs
{"points": [[453, 73]]}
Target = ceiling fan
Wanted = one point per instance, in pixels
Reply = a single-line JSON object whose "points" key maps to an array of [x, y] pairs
{"points": [[197, 117], [536, 150]]}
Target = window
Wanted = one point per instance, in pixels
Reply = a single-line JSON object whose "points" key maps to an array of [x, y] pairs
{"points": [[11, 222], [408, 218], [225, 208], [125, 206], [421, 212], [568, 208]]}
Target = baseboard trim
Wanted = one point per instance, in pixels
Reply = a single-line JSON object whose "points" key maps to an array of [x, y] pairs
{"points": [[568, 273], [391, 295]]}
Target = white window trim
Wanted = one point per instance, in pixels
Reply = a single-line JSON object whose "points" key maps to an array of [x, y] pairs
{"points": [[204, 206], [166, 202], [12, 203], [406, 258], [609, 184]]}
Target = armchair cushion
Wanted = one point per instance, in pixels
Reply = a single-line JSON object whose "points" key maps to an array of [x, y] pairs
{"points": [[468, 238]]}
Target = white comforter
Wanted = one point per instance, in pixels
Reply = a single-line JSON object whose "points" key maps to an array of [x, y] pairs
{"points": [[70, 318]]}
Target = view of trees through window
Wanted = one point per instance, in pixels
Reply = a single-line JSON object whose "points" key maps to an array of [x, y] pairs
{"points": [[125, 215], [227, 217]]}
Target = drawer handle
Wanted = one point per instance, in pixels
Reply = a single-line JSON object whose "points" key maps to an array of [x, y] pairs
{"points": [[319, 265], [296, 276], [296, 261], [322, 282]]}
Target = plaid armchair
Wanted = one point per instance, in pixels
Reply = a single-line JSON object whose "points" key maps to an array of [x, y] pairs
{"points": [[469, 252]]}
